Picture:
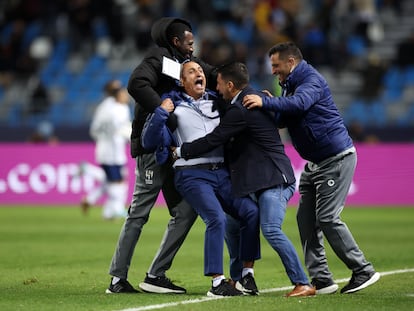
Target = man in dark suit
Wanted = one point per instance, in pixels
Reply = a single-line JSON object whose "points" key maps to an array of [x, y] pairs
{"points": [[258, 164]]}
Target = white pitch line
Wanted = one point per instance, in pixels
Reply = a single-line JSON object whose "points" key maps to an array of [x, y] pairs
{"points": [[268, 290], [173, 304]]}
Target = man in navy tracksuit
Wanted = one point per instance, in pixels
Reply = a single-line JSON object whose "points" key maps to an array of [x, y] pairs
{"points": [[319, 135]]}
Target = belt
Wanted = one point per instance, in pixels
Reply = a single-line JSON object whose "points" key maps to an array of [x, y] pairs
{"points": [[202, 166]]}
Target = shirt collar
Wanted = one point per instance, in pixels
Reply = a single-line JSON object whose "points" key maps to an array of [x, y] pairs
{"points": [[190, 99], [235, 97], [294, 75]]}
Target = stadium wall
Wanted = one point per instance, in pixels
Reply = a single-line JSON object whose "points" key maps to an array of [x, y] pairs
{"points": [[33, 174]]}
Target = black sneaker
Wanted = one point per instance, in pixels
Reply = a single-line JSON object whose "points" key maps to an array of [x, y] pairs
{"points": [[360, 281], [161, 285], [122, 286], [324, 286], [224, 289], [247, 285]]}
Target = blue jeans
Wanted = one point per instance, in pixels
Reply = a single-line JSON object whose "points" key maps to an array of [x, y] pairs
{"points": [[272, 205]]}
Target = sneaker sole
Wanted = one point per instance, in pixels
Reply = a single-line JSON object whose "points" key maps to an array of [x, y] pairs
{"points": [[371, 281], [108, 291], [245, 291], [331, 289], [210, 294], [149, 288]]}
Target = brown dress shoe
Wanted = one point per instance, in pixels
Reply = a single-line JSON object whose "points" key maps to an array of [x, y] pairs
{"points": [[302, 291]]}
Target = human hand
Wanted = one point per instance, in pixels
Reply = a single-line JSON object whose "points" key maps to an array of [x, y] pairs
{"points": [[167, 104], [252, 101], [267, 93]]}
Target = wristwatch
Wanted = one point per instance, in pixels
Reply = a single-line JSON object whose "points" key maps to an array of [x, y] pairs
{"points": [[174, 155]]}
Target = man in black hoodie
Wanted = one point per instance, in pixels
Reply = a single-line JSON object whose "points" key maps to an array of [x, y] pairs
{"points": [[155, 75]]}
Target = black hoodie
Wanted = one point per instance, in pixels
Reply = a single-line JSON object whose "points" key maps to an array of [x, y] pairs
{"points": [[159, 35], [147, 82]]}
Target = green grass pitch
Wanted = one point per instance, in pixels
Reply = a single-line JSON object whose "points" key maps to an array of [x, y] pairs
{"points": [[58, 259]]}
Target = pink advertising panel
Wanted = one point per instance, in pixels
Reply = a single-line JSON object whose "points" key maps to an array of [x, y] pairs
{"points": [[383, 175], [51, 174]]}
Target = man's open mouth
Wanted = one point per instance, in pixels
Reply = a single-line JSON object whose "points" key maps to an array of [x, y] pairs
{"points": [[199, 82]]}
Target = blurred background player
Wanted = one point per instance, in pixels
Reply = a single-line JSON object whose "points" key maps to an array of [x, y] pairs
{"points": [[111, 130], [96, 175]]}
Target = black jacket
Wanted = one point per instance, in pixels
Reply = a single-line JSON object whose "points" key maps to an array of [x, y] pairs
{"points": [[147, 82], [254, 151]]}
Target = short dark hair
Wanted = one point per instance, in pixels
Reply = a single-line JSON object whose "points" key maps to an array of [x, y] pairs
{"points": [[112, 87], [286, 50], [235, 72], [177, 29]]}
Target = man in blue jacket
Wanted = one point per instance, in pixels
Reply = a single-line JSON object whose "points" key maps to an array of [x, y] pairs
{"points": [[319, 135], [258, 164]]}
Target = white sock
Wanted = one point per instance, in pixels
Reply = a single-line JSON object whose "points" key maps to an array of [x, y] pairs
{"points": [[115, 280], [93, 196], [217, 280], [247, 271], [115, 205]]}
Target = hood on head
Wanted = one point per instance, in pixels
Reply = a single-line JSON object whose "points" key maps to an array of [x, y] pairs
{"points": [[159, 31]]}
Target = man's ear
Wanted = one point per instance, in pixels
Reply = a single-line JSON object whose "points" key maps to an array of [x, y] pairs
{"points": [[230, 85], [176, 41]]}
